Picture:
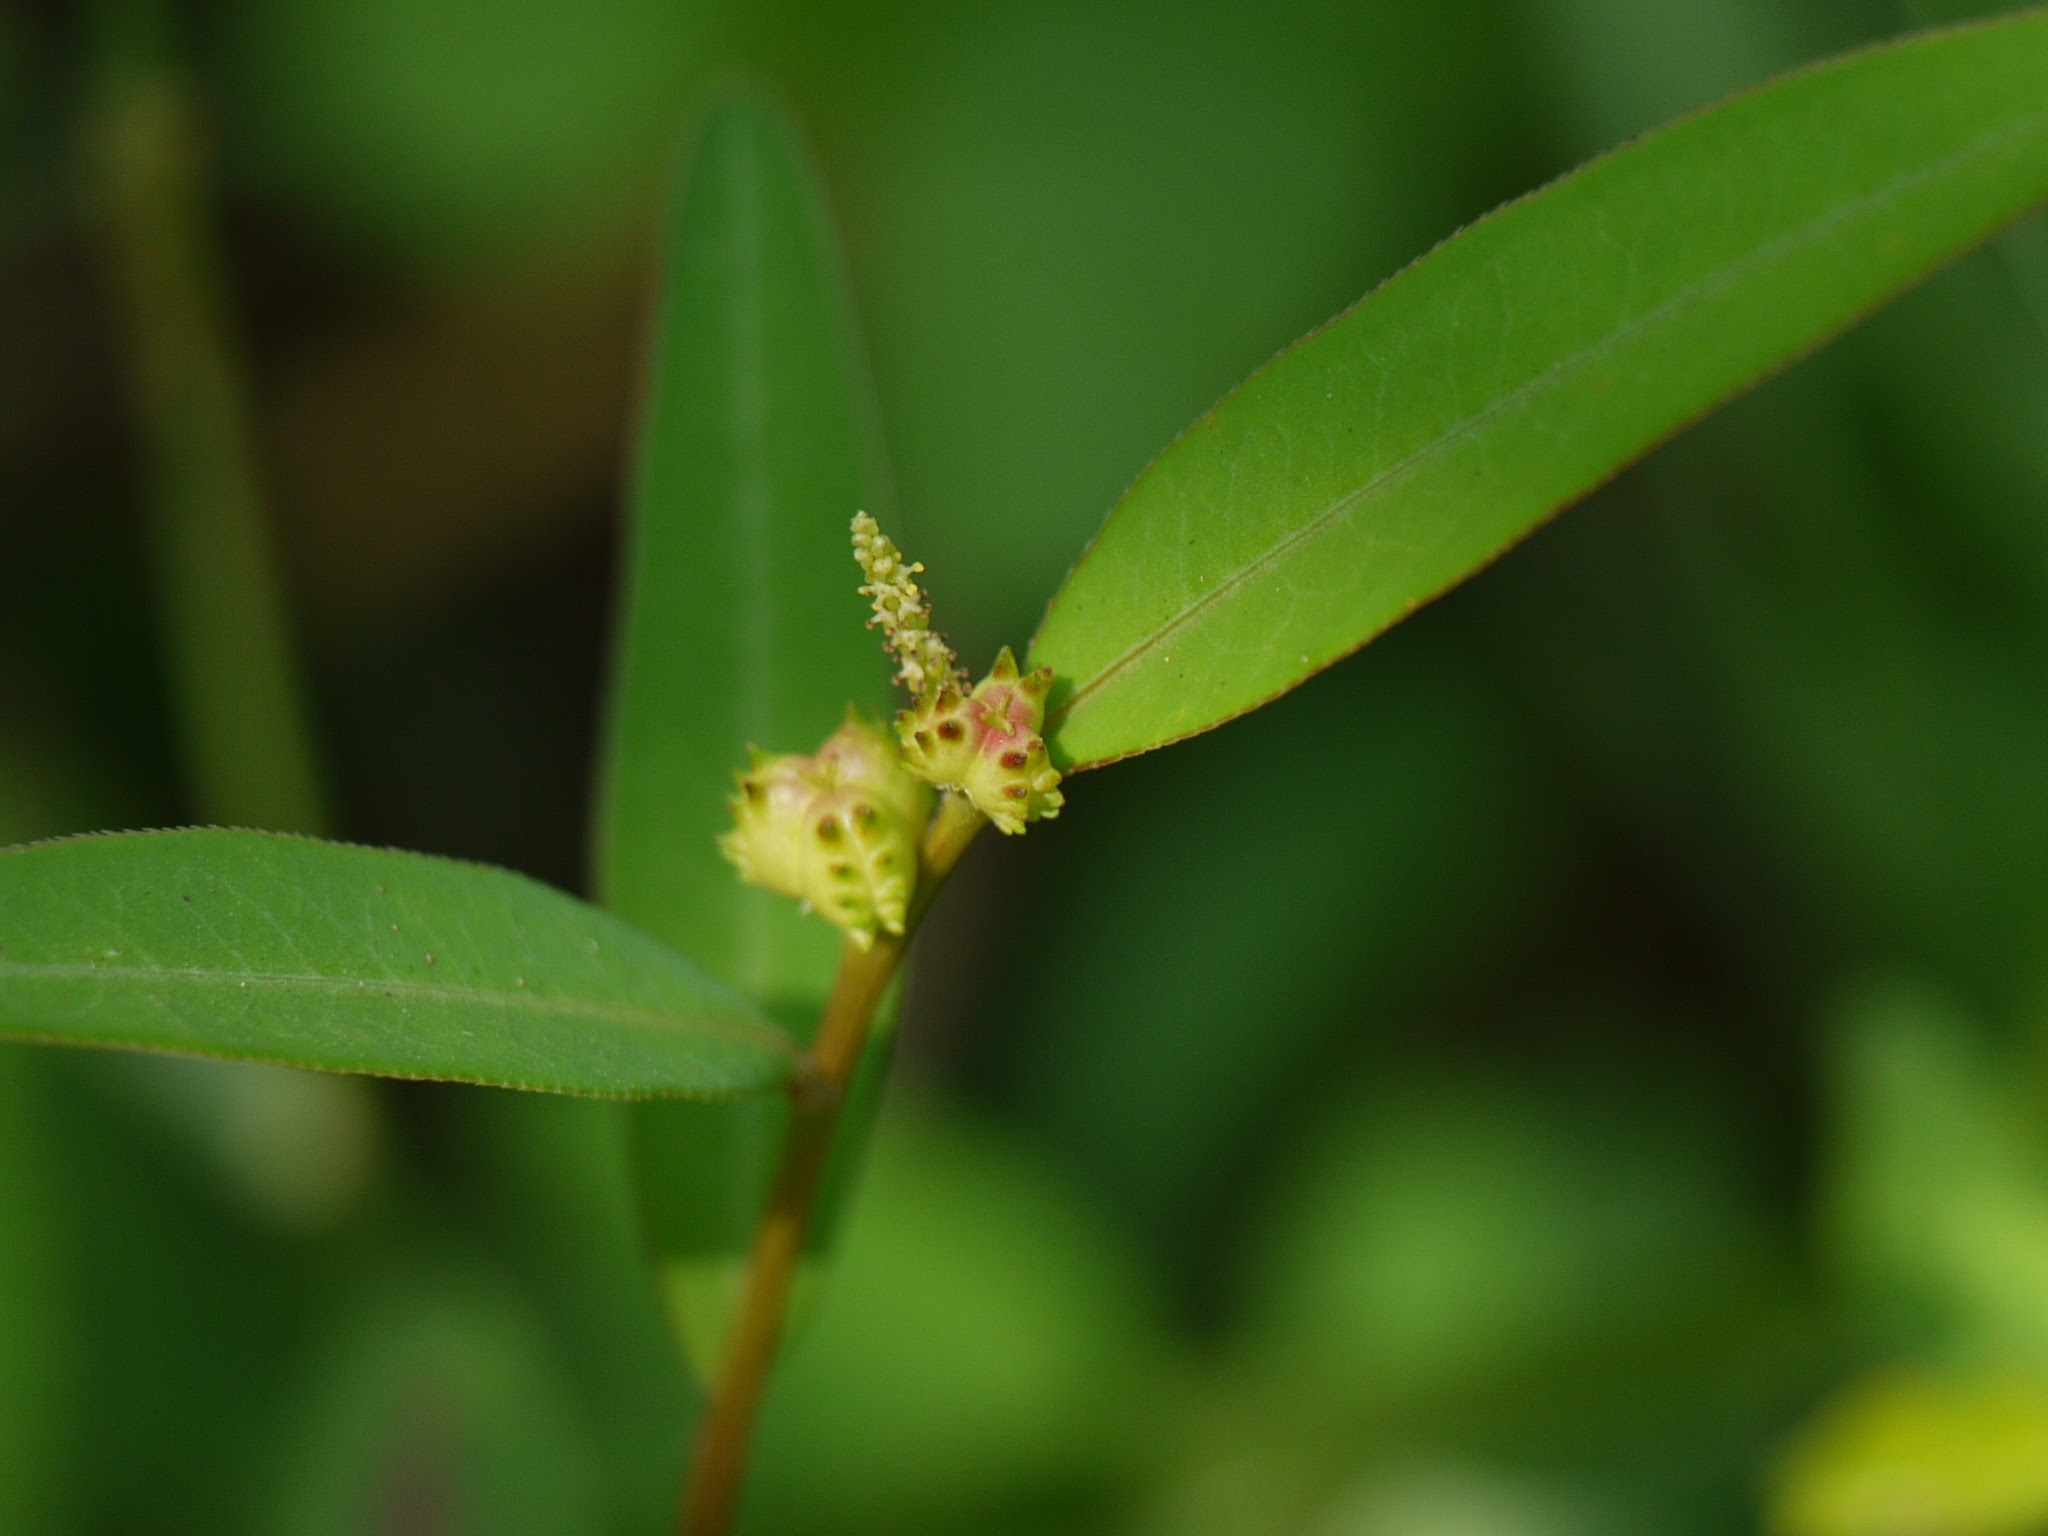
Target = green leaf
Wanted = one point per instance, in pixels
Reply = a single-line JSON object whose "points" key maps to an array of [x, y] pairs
{"points": [[504, 1448], [263, 947], [1391, 454], [1972, 1444], [744, 623]]}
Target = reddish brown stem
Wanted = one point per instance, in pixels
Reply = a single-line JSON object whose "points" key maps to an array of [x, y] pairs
{"points": [[719, 1461]]}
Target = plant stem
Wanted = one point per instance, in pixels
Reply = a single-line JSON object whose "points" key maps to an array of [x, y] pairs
{"points": [[719, 1461]]}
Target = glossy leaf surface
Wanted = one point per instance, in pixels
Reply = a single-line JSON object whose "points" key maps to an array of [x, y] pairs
{"points": [[744, 624], [1393, 453], [262, 947]]}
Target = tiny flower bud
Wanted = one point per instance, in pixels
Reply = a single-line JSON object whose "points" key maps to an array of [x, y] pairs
{"points": [[987, 745], [838, 829]]}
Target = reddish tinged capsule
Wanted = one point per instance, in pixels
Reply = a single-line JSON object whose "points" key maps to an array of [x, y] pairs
{"points": [[987, 745]]}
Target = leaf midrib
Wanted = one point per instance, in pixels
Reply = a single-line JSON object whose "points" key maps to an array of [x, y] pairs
{"points": [[737, 1029], [1571, 364]]}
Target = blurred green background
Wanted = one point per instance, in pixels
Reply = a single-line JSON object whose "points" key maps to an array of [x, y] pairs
{"points": [[1576, 1068]]}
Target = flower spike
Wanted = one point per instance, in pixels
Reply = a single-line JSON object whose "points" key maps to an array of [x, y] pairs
{"points": [[985, 743], [925, 663]]}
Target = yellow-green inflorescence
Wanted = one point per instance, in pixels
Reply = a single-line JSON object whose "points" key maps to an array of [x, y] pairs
{"points": [[840, 829], [983, 743], [924, 662]]}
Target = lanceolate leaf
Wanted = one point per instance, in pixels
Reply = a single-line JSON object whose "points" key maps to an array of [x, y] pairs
{"points": [[743, 624], [1391, 454], [743, 620], [263, 947]]}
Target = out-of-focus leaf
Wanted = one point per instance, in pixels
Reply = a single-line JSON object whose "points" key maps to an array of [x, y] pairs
{"points": [[1449, 1499], [1876, 695], [1798, 652], [444, 132], [1906, 1453], [193, 1323], [436, 1406], [1938, 1186], [1182, 1017], [1078, 225], [261, 947], [1455, 1238], [548, 1188], [247, 743], [992, 1334], [1394, 452], [298, 1150], [743, 624]]}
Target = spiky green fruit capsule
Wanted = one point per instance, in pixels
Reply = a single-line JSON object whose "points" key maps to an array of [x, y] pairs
{"points": [[938, 736], [838, 829], [987, 745], [766, 841]]}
